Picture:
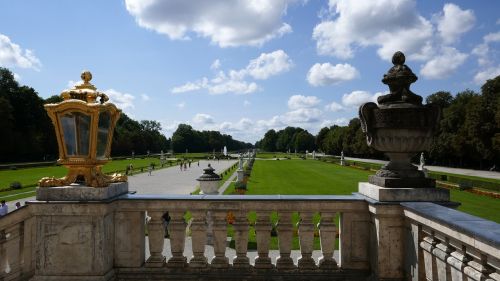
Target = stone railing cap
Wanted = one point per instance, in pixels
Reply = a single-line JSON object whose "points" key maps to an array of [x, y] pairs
{"points": [[479, 228]]}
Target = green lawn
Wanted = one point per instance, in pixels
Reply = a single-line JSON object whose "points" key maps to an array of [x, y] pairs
{"points": [[271, 155]]}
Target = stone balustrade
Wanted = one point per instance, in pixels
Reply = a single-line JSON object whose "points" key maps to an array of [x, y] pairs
{"points": [[17, 235], [213, 210], [109, 239], [447, 245]]}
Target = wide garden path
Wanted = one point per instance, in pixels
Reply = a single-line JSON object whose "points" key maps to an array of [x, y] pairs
{"points": [[172, 180], [458, 171]]}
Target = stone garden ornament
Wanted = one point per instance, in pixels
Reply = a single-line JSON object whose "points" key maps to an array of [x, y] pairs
{"points": [[400, 126]]}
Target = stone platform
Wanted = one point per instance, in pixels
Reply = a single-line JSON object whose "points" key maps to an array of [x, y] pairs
{"points": [[385, 194], [76, 192]]}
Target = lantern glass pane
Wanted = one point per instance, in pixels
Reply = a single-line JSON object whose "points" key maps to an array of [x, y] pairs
{"points": [[103, 133], [76, 133]]}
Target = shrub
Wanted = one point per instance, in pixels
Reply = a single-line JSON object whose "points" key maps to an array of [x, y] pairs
{"points": [[240, 185], [16, 185]]}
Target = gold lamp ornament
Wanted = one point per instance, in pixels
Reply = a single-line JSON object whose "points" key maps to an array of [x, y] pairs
{"points": [[84, 122]]}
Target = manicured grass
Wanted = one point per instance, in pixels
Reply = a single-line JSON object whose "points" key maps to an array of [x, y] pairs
{"points": [[271, 155]]}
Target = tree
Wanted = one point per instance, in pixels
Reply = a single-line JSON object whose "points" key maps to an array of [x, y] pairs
{"points": [[304, 141], [268, 143]]}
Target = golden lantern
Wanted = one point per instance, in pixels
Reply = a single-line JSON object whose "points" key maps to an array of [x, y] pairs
{"points": [[84, 130]]}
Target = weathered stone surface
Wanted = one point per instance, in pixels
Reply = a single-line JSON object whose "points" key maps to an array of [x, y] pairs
{"points": [[81, 192], [403, 194]]}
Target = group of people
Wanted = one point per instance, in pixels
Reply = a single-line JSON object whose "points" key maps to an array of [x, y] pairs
{"points": [[4, 209], [186, 164]]}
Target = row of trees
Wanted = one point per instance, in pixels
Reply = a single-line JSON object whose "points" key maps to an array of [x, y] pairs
{"points": [[187, 138], [28, 133], [289, 139], [468, 134]]}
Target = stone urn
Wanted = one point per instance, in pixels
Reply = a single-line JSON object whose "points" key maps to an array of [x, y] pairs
{"points": [[400, 126], [209, 181]]}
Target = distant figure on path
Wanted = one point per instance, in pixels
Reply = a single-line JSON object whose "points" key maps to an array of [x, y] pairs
{"points": [[150, 169], [198, 163], [189, 163], [4, 209], [18, 205], [494, 168], [185, 166]]}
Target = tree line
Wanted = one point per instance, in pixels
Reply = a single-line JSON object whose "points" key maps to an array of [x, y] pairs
{"points": [[185, 138], [468, 133]]}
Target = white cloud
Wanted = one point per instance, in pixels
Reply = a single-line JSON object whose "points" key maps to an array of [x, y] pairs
{"points": [[203, 119], [299, 101], [235, 81], [357, 98], [443, 65], [215, 65], [303, 115], [17, 77], [453, 22], [123, 101], [246, 103], [145, 97], [327, 74], [335, 107], [269, 64], [485, 58], [188, 87], [181, 105], [12, 54], [492, 37], [339, 122], [488, 73], [391, 25], [226, 23]]}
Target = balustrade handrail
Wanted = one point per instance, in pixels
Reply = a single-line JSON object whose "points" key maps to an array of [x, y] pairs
{"points": [[454, 222]]}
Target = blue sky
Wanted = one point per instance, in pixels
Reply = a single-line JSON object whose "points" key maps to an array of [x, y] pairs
{"points": [[243, 67]]}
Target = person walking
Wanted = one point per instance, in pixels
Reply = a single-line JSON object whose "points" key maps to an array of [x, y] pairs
{"points": [[150, 169], [4, 209], [181, 166]]}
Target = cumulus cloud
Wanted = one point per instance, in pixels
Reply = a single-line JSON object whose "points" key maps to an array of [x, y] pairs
{"points": [[226, 23], [299, 101], [339, 122], [145, 97], [215, 65], [12, 54], [387, 24], [335, 107], [303, 115], [486, 58], [203, 119], [236, 81], [270, 64], [357, 98], [246, 103], [453, 22], [444, 64], [485, 74], [123, 101], [327, 74]]}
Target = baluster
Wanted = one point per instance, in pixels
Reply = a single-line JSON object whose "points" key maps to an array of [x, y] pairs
{"points": [[263, 236], [306, 239], [327, 232], [198, 239], [428, 244], [177, 231], [156, 233], [220, 239], [241, 236], [442, 252], [457, 261], [477, 268], [285, 236]]}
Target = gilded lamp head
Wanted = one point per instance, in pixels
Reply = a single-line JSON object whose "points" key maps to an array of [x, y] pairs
{"points": [[84, 123]]}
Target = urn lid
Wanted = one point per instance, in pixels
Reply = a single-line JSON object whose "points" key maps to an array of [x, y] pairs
{"points": [[85, 90], [209, 175]]}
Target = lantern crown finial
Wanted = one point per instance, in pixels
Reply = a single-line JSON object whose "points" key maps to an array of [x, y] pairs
{"points": [[85, 91]]}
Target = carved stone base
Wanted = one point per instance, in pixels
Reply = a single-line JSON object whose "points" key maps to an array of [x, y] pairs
{"points": [[327, 263], [177, 262], [198, 262], [263, 263], [241, 262], [285, 263], [155, 261], [220, 262], [403, 194], [77, 192], [306, 262], [402, 182]]}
